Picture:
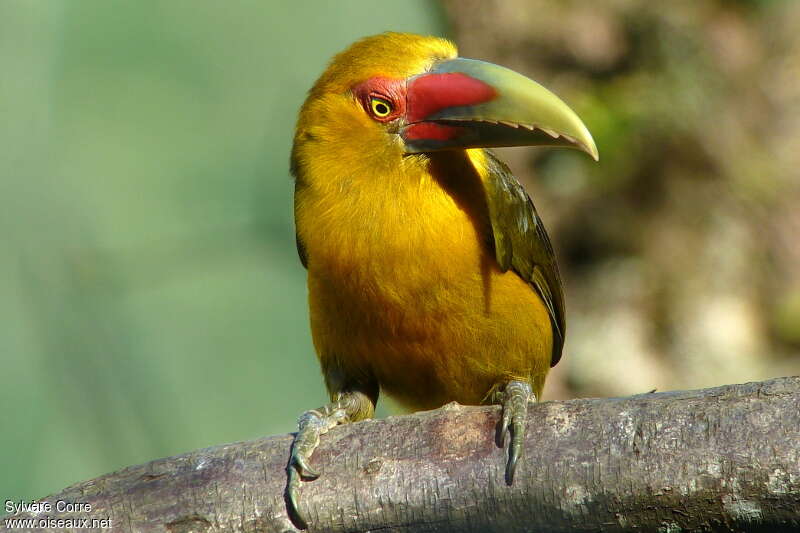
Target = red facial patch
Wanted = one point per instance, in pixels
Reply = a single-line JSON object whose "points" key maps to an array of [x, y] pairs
{"points": [[391, 90], [430, 93]]}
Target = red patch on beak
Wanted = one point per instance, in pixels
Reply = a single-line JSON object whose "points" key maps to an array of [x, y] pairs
{"points": [[432, 131], [430, 93]]}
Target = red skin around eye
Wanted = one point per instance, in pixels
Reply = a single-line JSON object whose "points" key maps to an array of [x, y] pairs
{"points": [[424, 96], [391, 90]]}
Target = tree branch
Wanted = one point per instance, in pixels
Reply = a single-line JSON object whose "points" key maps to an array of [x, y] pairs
{"points": [[722, 459]]}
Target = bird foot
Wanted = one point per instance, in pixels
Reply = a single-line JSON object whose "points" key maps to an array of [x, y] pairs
{"points": [[349, 406], [311, 425], [515, 398]]}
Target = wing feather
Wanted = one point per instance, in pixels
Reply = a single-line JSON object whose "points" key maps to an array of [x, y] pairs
{"points": [[294, 170], [522, 245]]}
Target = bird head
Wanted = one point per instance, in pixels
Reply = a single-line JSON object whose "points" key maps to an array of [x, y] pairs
{"points": [[393, 95]]}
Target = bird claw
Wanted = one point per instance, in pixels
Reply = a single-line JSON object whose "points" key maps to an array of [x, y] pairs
{"points": [[304, 471], [515, 400], [504, 424], [292, 486], [311, 425]]}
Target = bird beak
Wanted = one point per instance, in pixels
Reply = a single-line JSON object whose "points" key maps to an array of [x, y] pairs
{"points": [[465, 103]]}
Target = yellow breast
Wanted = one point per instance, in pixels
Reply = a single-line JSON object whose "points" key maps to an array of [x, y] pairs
{"points": [[404, 288]]}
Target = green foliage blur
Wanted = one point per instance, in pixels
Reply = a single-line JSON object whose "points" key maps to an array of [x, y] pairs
{"points": [[151, 300]]}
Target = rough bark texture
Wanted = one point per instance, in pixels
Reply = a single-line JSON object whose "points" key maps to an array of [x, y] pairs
{"points": [[722, 459]]}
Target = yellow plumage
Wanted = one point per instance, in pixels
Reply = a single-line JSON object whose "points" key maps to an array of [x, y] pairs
{"points": [[403, 283]]}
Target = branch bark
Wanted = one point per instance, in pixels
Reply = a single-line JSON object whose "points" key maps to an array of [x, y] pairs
{"points": [[721, 459]]}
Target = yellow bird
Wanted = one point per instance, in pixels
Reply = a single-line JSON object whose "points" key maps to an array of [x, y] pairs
{"points": [[430, 275]]}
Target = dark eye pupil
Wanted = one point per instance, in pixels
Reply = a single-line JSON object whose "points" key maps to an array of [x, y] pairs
{"points": [[381, 109]]}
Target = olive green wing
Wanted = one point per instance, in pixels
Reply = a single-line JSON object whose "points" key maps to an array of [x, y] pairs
{"points": [[521, 243], [301, 250], [299, 183]]}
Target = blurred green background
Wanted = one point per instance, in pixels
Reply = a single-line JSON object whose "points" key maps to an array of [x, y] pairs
{"points": [[151, 301]]}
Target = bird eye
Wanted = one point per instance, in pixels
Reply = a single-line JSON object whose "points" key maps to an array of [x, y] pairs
{"points": [[380, 108]]}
